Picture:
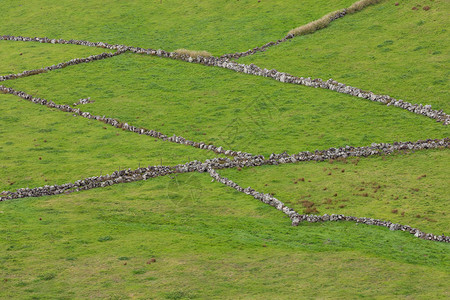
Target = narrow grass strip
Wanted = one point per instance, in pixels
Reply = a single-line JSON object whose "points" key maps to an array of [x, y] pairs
{"points": [[62, 65], [122, 125], [296, 218]]}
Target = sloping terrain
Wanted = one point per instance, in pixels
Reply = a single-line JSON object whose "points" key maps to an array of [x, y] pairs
{"points": [[386, 49], [214, 25], [237, 111], [208, 242], [159, 226]]}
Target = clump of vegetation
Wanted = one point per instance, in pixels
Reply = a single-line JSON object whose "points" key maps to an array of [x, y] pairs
{"points": [[105, 238], [359, 5], [314, 25], [325, 20], [193, 53]]}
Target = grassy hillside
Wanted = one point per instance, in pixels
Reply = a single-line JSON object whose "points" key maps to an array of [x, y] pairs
{"points": [[21, 56], [238, 111], [385, 48], [185, 236], [215, 25], [40, 146], [404, 188], [208, 242]]}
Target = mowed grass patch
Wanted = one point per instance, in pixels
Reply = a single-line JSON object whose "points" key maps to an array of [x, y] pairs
{"points": [[155, 237], [212, 25], [233, 110], [385, 48], [410, 189], [20, 56], [40, 146]]}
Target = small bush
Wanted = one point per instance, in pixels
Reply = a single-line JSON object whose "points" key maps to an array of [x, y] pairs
{"points": [[105, 238], [193, 53]]}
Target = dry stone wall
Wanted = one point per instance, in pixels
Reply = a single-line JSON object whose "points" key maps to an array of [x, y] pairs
{"points": [[337, 15], [128, 175], [296, 218], [241, 159], [62, 65], [83, 101], [252, 69], [125, 126]]}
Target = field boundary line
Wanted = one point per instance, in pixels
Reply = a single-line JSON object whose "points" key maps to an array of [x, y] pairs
{"points": [[128, 175], [63, 65], [122, 125], [252, 69], [296, 218], [308, 28]]}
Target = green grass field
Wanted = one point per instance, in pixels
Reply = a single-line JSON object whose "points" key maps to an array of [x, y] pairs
{"points": [[238, 111], [20, 56], [216, 26], [386, 49], [41, 146], [184, 236], [208, 242], [404, 188]]}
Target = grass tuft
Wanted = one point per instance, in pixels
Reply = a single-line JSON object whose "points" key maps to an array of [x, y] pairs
{"points": [[314, 25], [193, 53], [325, 20], [359, 5]]}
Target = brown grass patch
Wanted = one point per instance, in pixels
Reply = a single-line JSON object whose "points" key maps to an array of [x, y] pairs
{"points": [[192, 53], [314, 25], [359, 5], [342, 159], [307, 204], [328, 201], [325, 20], [311, 210]]}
